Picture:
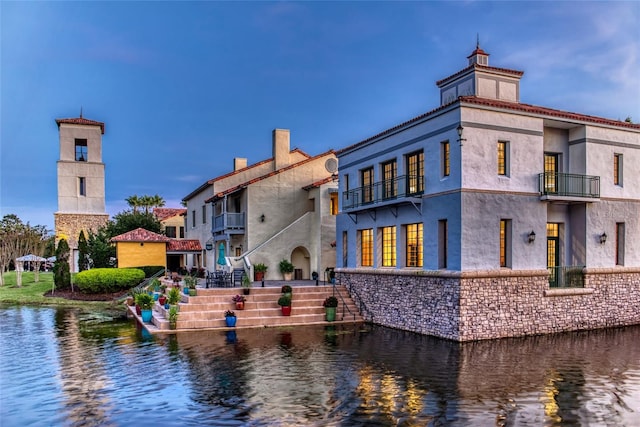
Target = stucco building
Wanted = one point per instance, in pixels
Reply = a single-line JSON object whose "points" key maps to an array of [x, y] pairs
{"points": [[81, 177], [487, 217], [279, 208]]}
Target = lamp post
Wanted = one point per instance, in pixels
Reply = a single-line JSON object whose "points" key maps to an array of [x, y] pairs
{"points": [[460, 129]]}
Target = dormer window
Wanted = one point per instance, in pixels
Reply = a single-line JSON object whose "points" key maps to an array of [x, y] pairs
{"points": [[81, 150]]}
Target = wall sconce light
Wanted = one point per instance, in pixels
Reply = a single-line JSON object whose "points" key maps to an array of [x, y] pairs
{"points": [[262, 218], [460, 129], [532, 236], [208, 246], [603, 238]]}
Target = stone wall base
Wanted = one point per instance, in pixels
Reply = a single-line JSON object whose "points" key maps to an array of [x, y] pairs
{"points": [[478, 305]]}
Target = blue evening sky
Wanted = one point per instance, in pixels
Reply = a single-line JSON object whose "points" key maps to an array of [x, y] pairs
{"points": [[184, 87]]}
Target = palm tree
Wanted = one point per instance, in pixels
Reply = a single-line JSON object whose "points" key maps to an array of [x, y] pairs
{"points": [[134, 202]]}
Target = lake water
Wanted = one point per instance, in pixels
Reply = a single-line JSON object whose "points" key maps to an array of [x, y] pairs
{"points": [[58, 368]]}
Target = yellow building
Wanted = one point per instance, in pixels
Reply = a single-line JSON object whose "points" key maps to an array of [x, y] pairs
{"points": [[140, 247]]}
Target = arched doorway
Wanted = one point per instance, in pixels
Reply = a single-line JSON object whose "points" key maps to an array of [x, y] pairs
{"points": [[301, 261]]}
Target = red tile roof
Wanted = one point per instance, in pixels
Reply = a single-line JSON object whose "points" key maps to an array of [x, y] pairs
{"points": [[516, 106], [184, 246], [140, 235], [164, 213], [319, 183], [213, 180], [260, 178], [80, 121]]}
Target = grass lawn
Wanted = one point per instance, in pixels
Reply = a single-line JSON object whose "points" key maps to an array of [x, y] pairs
{"points": [[33, 293]]}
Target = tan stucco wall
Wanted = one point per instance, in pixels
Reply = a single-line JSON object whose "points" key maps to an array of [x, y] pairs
{"points": [[138, 254]]}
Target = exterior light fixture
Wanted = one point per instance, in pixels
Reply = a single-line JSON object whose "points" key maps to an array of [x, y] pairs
{"points": [[460, 129], [532, 236], [262, 218], [208, 246], [603, 238]]}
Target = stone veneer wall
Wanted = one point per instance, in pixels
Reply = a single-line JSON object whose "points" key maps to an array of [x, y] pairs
{"points": [[468, 306], [71, 224]]}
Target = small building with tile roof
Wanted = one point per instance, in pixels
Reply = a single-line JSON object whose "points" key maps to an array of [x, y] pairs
{"points": [[498, 218], [278, 208], [172, 221]]}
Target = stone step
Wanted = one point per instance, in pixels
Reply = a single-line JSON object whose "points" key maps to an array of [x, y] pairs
{"points": [[206, 310]]}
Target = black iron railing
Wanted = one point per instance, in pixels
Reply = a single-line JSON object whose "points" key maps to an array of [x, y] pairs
{"points": [[397, 188], [566, 277], [568, 184]]}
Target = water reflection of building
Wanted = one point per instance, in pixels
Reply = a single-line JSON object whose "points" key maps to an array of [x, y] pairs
{"points": [[487, 217], [82, 378]]}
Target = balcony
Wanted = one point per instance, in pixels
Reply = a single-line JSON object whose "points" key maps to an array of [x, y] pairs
{"points": [[392, 191], [568, 187], [566, 277], [232, 223]]}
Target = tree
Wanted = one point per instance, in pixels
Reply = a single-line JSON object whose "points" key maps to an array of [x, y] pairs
{"points": [[149, 202], [126, 221], [101, 252], [61, 270], [83, 252], [18, 239], [134, 202]]}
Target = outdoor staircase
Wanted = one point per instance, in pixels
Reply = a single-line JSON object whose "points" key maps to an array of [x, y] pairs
{"points": [[206, 310]]}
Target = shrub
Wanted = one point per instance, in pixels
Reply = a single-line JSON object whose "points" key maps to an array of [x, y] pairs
{"points": [[108, 280], [330, 302], [286, 266], [284, 301]]}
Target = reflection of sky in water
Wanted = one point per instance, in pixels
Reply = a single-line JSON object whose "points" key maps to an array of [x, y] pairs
{"points": [[348, 376]]}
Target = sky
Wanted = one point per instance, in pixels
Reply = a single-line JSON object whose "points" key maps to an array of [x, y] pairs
{"points": [[185, 87]]}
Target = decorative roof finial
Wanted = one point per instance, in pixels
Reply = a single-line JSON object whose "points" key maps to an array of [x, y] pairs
{"points": [[81, 111], [477, 40]]}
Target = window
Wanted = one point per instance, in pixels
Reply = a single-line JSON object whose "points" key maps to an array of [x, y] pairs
{"points": [[182, 232], [389, 173], [366, 179], [204, 214], [505, 243], [415, 172], [388, 246], [193, 218], [446, 162], [503, 158], [344, 249], [81, 150], [170, 232], [620, 243], [366, 248], [443, 237], [617, 169], [414, 245], [551, 165], [334, 203], [82, 186]]}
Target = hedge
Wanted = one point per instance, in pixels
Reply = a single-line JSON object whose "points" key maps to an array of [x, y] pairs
{"points": [[108, 280]]}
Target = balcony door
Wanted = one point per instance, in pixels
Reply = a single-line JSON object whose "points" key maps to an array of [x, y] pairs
{"points": [[551, 161], [366, 179], [553, 253]]}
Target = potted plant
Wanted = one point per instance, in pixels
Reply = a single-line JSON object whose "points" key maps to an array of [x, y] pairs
{"points": [[286, 268], [285, 303], [246, 285], [162, 300], [239, 300], [174, 297], [258, 272], [286, 290], [190, 285], [145, 301], [330, 304], [173, 317], [131, 300], [230, 318]]}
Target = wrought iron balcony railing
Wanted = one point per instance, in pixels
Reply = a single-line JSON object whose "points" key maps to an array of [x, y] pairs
{"points": [[566, 277], [393, 189], [569, 185]]}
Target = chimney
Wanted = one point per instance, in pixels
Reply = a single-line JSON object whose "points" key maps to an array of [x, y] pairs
{"points": [[281, 157], [239, 163]]}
